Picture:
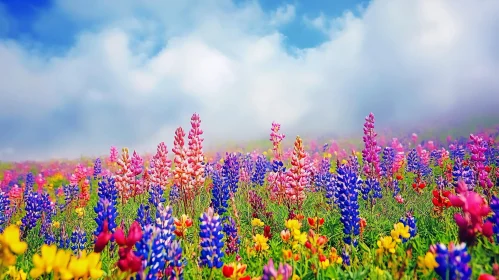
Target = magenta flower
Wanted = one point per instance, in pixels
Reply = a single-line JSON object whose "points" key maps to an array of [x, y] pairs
{"points": [[475, 209]]}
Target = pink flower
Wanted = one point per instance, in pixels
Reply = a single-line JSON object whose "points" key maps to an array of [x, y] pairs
{"points": [[475, 209]]}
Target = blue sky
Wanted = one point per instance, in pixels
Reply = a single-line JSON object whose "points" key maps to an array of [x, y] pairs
{"points": [[78, 76]]}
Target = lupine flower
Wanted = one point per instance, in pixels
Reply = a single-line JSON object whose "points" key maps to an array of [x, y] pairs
{"points": [[211, 240], [174, 269], [160, 172], [297, 176], [106, 205], [78, 240], [113, 155], [257, 205], [181, 175], [387, 162], [276, 138], [246, 168], [33, 209], [195, 156], [136, 168], [123, 176], [494, 219], [232, 239], [323, 176], [220, 194], [4, 210], [258, 176], [464, 173], [453, 262], [156, 195], [150, 251], [348, 185], [478, 148], [97, 168], [371, 150], [230, 173], [174, 194]]}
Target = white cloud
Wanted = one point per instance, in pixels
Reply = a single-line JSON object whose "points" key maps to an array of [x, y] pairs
{"points": [[131, 81], [284, 14]]}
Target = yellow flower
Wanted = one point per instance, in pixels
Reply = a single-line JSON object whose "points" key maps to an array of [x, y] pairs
{"points": [[293, 225], [80, 212], [287, 254], [257, 222], [16, 274], [11, 246], [428, 261], [44, 263], [94, 265], [260, 243], [334, 257], [299, 238], [399, 230], [324, 264], [50, 260], [379, 271], [56, 224], [344, 161], [295, 277], [386, 244], [19, 223], [264, 153]]}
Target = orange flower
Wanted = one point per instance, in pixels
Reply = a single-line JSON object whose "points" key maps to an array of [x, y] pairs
{"points": [[182, 225], [315, 222], [287, 254], [235, 271], [285, 235], [362, 225]]}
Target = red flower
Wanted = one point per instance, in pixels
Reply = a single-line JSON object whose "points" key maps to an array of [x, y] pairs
{"points": [[486, 277], [128, 261], [266, 232], [103, 238], [235, 271]]}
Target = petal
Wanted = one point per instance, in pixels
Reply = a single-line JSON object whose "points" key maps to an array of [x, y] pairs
{"points": [[38, 261], [36, 272], [19, 247]]}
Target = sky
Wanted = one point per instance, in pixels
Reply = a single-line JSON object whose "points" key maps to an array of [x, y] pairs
{"points": [[79, 76]]}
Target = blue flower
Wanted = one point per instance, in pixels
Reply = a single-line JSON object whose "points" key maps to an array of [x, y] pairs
{"points": [[78, 240], [220, 193], [494, 219], [4, 210], [347, 199], [410, 220], [211, 237], [453, 262], [106, 205], [260, 170], [97, 168], [413, 161], [230, 172]]}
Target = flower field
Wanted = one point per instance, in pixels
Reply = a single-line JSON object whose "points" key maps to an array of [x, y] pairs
{"points": [[400, 209]]}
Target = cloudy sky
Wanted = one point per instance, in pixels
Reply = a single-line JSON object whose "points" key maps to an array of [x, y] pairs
{"points": [[78, 76]]}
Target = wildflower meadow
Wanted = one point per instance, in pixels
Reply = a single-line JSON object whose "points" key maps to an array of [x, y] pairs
{"points": [[407, 208]]}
